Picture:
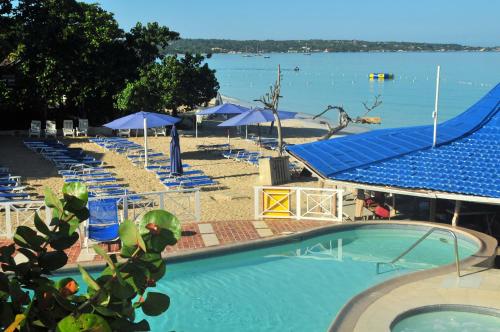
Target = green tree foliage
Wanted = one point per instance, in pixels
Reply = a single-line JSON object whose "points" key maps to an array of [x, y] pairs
{"points": [[172, 83], [71, 58], [30, 301]]}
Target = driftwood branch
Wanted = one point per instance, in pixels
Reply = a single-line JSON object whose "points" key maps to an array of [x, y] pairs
{"points": [[375, 104], [270, 101], [345, 119]]}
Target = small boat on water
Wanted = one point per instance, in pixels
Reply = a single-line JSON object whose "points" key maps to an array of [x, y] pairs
{"points": [[381, 76], [296, 68], [267, 57]]}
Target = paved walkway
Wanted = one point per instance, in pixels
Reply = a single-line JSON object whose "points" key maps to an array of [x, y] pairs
{"points": [[202, 235]]}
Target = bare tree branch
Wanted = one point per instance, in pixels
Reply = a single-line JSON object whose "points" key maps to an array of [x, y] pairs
{"points": [[345, 119], [375, 104]]}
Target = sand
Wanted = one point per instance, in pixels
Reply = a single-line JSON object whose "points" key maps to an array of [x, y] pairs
{"points": [[233, 200]]}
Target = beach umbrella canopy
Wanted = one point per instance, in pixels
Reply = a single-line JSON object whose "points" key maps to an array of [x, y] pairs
{"points": [[143, 120], [137, 121], [175, 153], [224, 109], [256, 116]]}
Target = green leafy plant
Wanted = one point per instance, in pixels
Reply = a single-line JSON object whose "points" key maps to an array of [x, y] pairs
{"points": [[31, 301]]}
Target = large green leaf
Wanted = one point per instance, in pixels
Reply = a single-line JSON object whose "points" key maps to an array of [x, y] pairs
{"points": [[75, 195], [62, 241], [51, 200], [83, 322], [122, 291], [6, 313], [129, 234], [40, 225], [155, 304], [104, 255], [127, 251], [88, 279], [27, 237], [53, 260], [162, 219]]}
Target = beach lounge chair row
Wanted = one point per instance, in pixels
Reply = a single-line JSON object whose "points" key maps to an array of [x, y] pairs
{"points": [[158, 163], [243, 155], [60, 155], [75, 166], [11, 188], [51, 130]]}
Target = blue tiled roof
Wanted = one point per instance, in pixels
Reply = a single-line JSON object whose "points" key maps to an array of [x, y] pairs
{"points": [[466, 159]]}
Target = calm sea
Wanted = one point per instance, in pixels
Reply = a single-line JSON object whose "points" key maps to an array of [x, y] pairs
{"points": [[342, 79]]}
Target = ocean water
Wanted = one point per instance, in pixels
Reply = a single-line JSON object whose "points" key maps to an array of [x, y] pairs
{"points": [[342, 79]]}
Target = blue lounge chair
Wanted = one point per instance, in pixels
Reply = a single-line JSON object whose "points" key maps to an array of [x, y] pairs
{"points": [[103, 222]]}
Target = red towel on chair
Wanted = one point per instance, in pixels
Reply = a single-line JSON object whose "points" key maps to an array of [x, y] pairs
{"points": [[382, 211]]}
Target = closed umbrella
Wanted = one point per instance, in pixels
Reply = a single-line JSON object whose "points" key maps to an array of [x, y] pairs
{"points": [[143, 120], [175, 153]]}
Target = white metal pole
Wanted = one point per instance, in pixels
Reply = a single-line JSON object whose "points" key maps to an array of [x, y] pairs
{"points": [[435, 114], [246, 132], [196, 125], [145, 142]]}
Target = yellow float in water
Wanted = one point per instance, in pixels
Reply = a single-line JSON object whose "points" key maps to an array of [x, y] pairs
{"points": [[381, 76]]}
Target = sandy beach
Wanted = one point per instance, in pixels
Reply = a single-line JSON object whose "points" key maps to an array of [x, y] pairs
{"points": [[233, 200]]}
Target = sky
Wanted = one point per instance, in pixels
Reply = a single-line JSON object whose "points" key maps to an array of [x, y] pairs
{"points": [[468, 22]]}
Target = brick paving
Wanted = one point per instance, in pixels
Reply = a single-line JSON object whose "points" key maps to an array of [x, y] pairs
{"points": [[227, 232]]}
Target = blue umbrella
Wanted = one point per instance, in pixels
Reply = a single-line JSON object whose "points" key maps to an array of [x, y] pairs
{"points": [[175, 153], [143, 120], [222, 109], [256, 116]]}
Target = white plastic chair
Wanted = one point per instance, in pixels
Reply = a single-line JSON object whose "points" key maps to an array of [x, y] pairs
{"points": [[50, 128], [160, 131], [123, 133], [35, 129], [83, 127], [68, 128]]}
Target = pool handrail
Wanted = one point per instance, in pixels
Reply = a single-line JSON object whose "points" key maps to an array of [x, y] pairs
{"points": [[429, 232]]}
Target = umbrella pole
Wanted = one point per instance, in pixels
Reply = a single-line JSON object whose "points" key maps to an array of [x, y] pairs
{"points": [[145, 143], [196, 124], [228, 139], [246, 132]]}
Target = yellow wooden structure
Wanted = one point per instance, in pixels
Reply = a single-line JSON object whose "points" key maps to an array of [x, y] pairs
{"points": [[276, 202]]}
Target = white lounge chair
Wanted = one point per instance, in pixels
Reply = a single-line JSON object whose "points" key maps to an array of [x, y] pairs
{"points": [[160, 131], [123, 133], [50, 128], [35, 129], [83, 127], [68, 128]]}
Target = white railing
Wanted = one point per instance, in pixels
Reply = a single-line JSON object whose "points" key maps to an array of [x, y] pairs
{"points": [[298, 203], [184, 204]]}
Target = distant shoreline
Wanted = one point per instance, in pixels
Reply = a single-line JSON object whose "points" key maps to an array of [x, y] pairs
{"points": [[260, 47]]}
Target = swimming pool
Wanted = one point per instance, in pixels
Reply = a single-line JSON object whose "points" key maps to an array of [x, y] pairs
{"points": [[448, 318], [298, 286]]}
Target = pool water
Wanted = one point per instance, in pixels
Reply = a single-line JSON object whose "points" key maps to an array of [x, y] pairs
{"points": [[448, 321], [294, 287]]}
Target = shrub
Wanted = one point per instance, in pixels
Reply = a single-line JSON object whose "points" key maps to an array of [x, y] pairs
{"points": [[31, 301]]}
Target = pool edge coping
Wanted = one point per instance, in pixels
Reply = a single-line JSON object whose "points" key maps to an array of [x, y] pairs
{"points": [[348, 316]]}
